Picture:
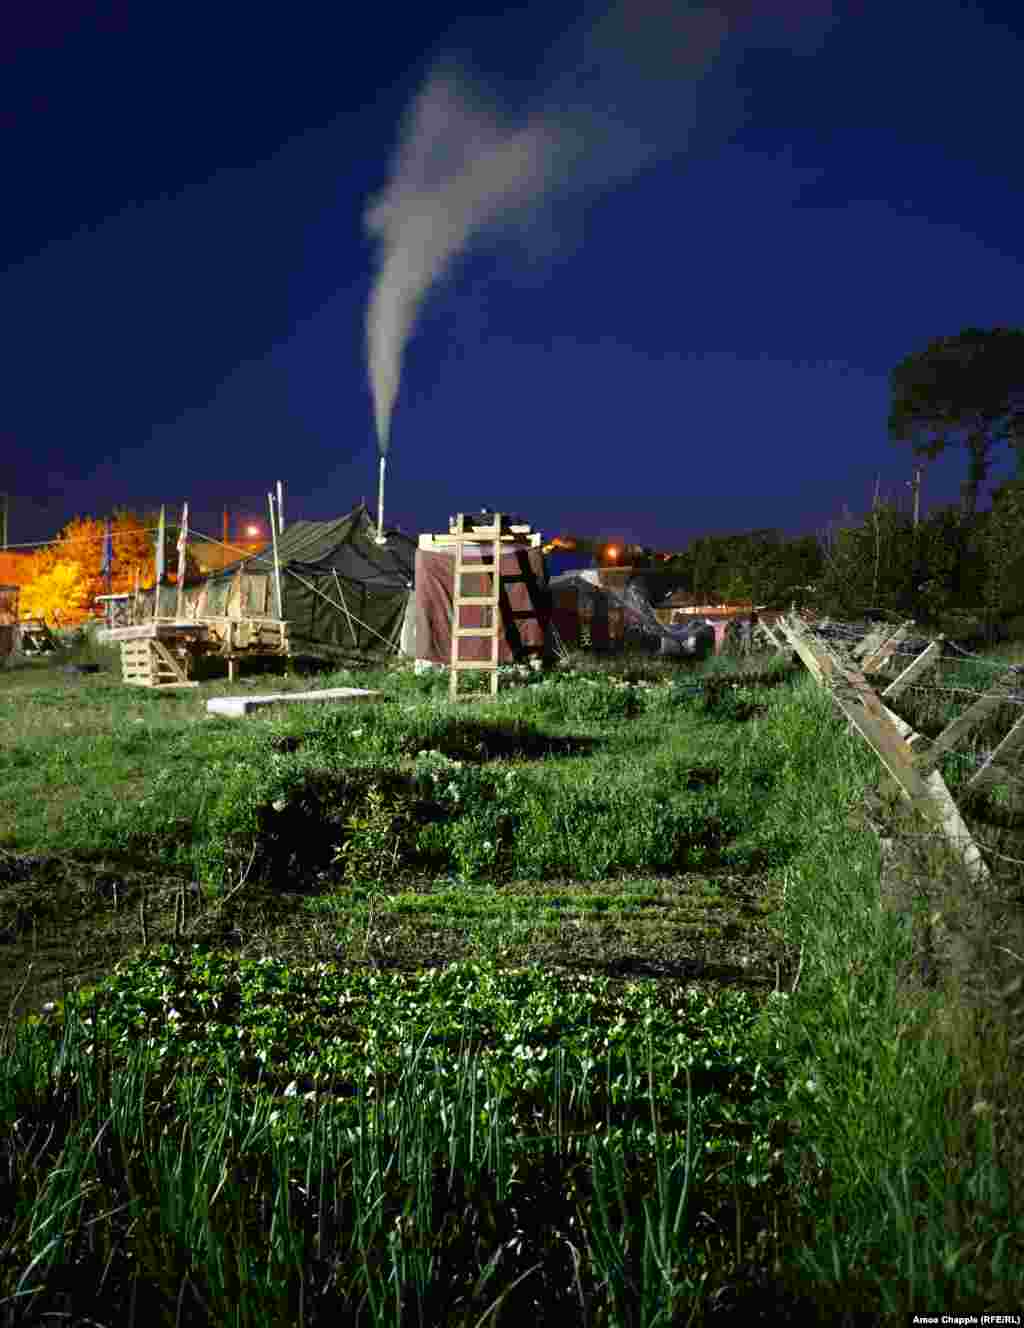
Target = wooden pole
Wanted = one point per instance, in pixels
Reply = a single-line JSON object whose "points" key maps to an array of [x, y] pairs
{"points": [[277, 565], [182, 542]]}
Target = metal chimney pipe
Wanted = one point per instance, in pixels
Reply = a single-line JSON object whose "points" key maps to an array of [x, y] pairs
{"points": [[380, 502]]}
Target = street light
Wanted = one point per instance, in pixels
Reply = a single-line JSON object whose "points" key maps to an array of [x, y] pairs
{"points": [[252, 530]]}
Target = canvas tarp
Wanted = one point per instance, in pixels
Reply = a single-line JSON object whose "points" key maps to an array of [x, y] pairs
{"points": [[339, 587], [524, 604]]}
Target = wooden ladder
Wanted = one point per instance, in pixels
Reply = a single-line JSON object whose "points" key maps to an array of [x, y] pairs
{"points": [[491, 601]]}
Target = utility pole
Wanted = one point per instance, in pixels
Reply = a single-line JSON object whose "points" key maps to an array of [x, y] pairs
{"points": [[915, 485]]}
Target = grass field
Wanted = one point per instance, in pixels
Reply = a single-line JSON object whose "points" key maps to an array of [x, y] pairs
{"points": [[590, 1004]]}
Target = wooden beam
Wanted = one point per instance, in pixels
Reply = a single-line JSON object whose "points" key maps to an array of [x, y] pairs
{"points": [[885, 731], [990, 772], [930, 797], [915, 668], [779, 645], [820, 668], [870, 643], [163, 654], [960, 727], [876, 661]]}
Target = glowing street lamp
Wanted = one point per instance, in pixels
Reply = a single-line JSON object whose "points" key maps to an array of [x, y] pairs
{"points": [[252, 530]]}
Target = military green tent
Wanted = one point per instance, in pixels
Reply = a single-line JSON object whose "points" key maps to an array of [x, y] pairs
{"points": [[340, 590]]}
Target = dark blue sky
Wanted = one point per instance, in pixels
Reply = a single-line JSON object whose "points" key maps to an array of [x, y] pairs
{"points": [[703, 348]]}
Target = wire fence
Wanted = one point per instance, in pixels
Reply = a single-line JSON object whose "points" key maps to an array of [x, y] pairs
{"points": [[1003, 676]]}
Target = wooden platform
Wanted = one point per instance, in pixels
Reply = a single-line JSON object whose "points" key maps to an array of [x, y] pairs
{"points": [[159, 653], [237, 706]]}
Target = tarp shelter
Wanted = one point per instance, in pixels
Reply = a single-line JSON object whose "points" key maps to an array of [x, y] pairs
{"points": [[524, 603], [583, 614], [596, 612], [340, 590]]}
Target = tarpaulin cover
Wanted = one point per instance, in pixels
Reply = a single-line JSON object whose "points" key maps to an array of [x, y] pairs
{"points": [[338, 586], [523, 601], [579, 603]]}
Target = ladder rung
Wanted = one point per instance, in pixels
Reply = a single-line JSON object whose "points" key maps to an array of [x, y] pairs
{"points": [[477, 599], [473, 664], [477, 631], [468, 569]]}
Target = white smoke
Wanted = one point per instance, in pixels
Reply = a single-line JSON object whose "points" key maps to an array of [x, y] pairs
{"points": [[619, 94], [458, 171]]}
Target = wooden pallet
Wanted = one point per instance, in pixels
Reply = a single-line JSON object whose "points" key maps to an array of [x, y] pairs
{"points": [[148, 663]]}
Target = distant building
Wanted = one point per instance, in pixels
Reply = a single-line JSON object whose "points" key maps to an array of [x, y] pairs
{"points": [[683, 604]]}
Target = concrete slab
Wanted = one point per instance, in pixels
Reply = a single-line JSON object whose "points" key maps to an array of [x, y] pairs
{"points": [[235, 706]]}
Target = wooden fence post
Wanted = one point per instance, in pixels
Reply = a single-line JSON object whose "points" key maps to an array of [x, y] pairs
{"points": [[885, 731]]}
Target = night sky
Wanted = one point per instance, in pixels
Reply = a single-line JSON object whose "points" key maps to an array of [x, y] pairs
{"points": [[698, 344]]}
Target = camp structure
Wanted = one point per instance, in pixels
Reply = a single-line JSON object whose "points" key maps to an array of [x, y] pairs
{"points": [[522, 595], [583, 615], [342, 597], [608, 610]]}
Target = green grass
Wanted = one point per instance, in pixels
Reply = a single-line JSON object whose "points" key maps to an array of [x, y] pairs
{"points": [[584, 1005]]}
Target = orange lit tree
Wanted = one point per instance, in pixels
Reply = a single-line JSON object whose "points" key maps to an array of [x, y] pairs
{"points": [[67, 575]]}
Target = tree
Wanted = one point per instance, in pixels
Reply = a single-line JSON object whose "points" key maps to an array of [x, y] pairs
{"points": [[80, 546], [969, 389], [1003, 543], [60, 595]]}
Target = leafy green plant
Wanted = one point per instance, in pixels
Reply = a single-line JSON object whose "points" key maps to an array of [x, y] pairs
{"points": [[374, 842]]}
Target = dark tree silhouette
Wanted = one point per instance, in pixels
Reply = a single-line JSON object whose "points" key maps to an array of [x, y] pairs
{"points": [[967, 389]]}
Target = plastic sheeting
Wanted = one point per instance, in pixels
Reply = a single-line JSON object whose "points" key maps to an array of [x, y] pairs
{"points": [[583, 608]]}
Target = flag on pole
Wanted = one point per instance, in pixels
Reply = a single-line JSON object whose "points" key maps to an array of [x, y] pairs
{"points": [[160, 550], [108, 551]]}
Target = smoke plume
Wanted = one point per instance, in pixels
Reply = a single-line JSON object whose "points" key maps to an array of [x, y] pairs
{"points": [[618, 93]]}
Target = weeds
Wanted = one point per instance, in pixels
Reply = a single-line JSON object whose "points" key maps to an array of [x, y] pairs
{"points": [[581, 1006]]}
